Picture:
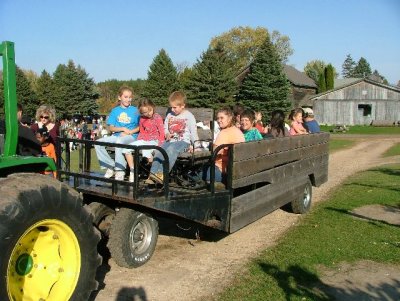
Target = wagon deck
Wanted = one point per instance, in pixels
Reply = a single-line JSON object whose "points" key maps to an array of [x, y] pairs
{"points": [[262, 176]]}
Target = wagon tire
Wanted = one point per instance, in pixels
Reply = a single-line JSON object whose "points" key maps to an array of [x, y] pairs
{"points": [[102, 216], [47, 241], [303, 203], [133, 238]]}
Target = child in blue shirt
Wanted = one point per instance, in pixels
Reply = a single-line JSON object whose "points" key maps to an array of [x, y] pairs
{"points": [[123, 122]]}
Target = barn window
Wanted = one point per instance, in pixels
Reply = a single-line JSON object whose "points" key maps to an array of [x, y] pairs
{"points": [[365, 109]]}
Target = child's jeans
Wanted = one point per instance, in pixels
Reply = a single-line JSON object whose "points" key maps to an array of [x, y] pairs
{"points": [[145, 152], [207, 175], [173, 149], [105, 159]]}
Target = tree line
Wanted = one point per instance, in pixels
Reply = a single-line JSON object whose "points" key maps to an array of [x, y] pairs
{"points": [[69, 89], [210, 82]]}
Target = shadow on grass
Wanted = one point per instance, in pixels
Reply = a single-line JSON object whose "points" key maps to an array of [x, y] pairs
{"points": [[387, 171], [373, 221], [296, 282], [299, 283], [387, 187]]}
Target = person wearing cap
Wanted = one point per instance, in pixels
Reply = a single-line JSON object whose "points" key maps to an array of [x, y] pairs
{"points": [[123, 122], [309, 121]]}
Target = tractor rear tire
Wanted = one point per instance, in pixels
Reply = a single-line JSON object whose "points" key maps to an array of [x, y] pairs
{"points": [[47, 240], [133, 238]]}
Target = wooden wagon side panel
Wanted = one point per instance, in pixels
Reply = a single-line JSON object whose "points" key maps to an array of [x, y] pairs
{"points": [[275, 173], [253, 205], [251, 161]]}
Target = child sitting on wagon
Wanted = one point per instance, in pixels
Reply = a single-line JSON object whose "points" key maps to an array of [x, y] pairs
{"points": [[247, 126], [151, 132], [180, 131], [296, 127]]}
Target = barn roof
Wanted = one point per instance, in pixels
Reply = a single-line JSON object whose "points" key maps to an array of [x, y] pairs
{"points": [[347, 82], [296, 77]]}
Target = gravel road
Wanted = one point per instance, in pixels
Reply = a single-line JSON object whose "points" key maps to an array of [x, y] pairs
{"points": [[183, 268]]}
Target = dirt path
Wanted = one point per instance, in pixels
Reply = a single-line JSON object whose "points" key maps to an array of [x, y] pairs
{"points": [[186, 269]]}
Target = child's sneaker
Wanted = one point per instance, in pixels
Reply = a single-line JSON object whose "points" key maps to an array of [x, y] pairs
{"points": [[157, 177], [109, 173], [120, 175], [131, 177], [149, 181]]}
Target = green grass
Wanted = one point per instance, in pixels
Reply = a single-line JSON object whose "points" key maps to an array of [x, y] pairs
{"points": [[338, 144], [326, 236], [393, 151], [75, 161], [367, 130]]}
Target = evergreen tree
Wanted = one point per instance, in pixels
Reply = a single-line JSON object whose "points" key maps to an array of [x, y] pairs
{"points": [[184, 78], [362, 69], [266, 87], [321, 83], [329, 77], [74, 91], [44, 88], [162, 79], [348, 67], [379, 78], [25, 94], [212, 82]]}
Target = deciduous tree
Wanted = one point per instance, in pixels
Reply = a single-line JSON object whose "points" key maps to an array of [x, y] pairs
{"points": [[314, 69], [242, 43], [108, 91]]}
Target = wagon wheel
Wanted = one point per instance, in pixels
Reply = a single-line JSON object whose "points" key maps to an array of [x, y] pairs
{"points": [[303, 203], [133, 238]]}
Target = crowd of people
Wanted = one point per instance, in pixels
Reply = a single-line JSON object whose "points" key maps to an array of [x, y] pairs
{"points": [[141, 125]]}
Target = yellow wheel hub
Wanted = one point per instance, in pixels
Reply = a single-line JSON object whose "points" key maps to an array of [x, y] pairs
{"points": [[44, 264]]}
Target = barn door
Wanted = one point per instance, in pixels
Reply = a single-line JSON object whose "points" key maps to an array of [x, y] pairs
{"points": [[364, 114]]}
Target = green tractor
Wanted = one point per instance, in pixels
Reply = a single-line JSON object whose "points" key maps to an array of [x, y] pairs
{"points": [[47, 240]]}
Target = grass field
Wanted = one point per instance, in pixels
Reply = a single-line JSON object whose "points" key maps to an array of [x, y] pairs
{"points": [[366, 130], [326, 236], [393, 151], [75, 161], [338, 144]]}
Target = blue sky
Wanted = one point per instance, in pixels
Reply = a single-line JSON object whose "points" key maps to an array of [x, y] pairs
{"points": [[119, 39]]}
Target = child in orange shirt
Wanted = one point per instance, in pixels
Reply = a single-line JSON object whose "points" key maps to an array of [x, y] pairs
{"points": [[48, 149]]}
